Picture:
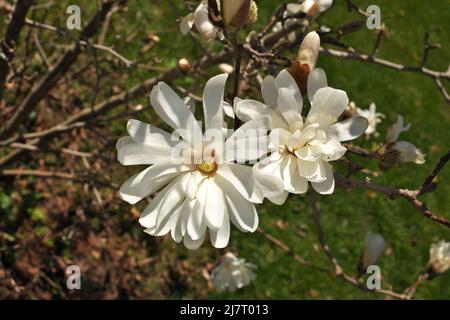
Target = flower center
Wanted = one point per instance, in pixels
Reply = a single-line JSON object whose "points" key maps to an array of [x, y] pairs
{"points": [[207, 167]]}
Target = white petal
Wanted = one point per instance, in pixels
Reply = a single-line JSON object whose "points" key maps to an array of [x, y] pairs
{"points": [[148, 134], [228, 109], [171, 108], [279, 199], [271, 185], [409, 152], [196, 226], [203, 24], [186, 23], [149, 215], [219, 238], [325, 5], [269, 91], [213, 101], [349, 129], [150, 180], [215, 206], [130, 152], [285, 80], [327, 186], [241, 177], [327, 106], [317, 79], [250, 109], [241, 212], [193, 244], [289, 107]]}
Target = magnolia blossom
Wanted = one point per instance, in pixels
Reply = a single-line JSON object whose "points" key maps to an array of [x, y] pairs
{"points": [[372, 116], [311, 8], [373, 248], [200, 19], [201, 187], [303, 148], [232, 273], [401, 151], [440, 256]]}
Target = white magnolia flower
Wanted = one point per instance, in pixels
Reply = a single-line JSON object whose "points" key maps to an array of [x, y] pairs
{"points": [[232, 273], [303, 148], [197, 195], [440, 256], [200, 19], [404, 151], [311, 8], [373, 248], [372, 116]]}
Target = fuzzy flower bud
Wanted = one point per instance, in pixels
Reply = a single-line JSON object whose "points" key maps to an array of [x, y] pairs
{"points": [[440, 257], [374, 247]]}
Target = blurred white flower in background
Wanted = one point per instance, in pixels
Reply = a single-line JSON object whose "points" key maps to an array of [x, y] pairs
{"points": [[303, 148], [194, 196], [440, 256], [232, 273], [374, 245], [399, 151], [372, 116]]}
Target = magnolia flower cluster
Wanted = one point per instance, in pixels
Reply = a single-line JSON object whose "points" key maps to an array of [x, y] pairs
{"points": [[204, 177], [440, 257], [232, 273], [394, 151]]}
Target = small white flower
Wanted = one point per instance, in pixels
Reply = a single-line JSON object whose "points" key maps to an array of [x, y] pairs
{"points": [[200, 19], [372, 116], [194, 196], [303, 148], [402, 151], [373, 248], [313, 7], [440, 256], [232, 273]]}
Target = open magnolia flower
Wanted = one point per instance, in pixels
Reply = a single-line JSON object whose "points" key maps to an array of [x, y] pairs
{"points": [[232, 273], [372, 116], [394, 151], [303, 148], [201, 185]]}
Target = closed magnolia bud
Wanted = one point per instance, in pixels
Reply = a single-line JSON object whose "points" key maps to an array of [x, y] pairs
{"points": [[184, 65], [306, 60], [374, 247], [440, 257], [239, 13]]}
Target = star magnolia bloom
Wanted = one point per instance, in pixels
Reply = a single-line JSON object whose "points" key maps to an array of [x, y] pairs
{"points": [[232, 273], [195, 195], [440, 257], [374, 247], [407, 152], [303, 148], [200, 19], [372, 116]]}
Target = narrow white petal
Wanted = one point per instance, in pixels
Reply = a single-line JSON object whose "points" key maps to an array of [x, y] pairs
{"points": [[317, 79], [327, 186], [215, 206], [250, 109], [196, 226], [285, 80], [130, 152], [269, 91], [192, 244], [220, 238], [349, 129], [241, 177], [213, 101], [186, 23], [289, 107]]}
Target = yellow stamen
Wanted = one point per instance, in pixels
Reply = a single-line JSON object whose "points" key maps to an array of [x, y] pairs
{"points": [[207, 167]]}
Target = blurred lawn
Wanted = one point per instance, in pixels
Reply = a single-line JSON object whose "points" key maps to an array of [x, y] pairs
{"points": [[346, 215]]}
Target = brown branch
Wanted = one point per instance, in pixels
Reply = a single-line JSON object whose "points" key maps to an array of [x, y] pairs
{"points": [[9, 43], [40, 90], [391, 192]]}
